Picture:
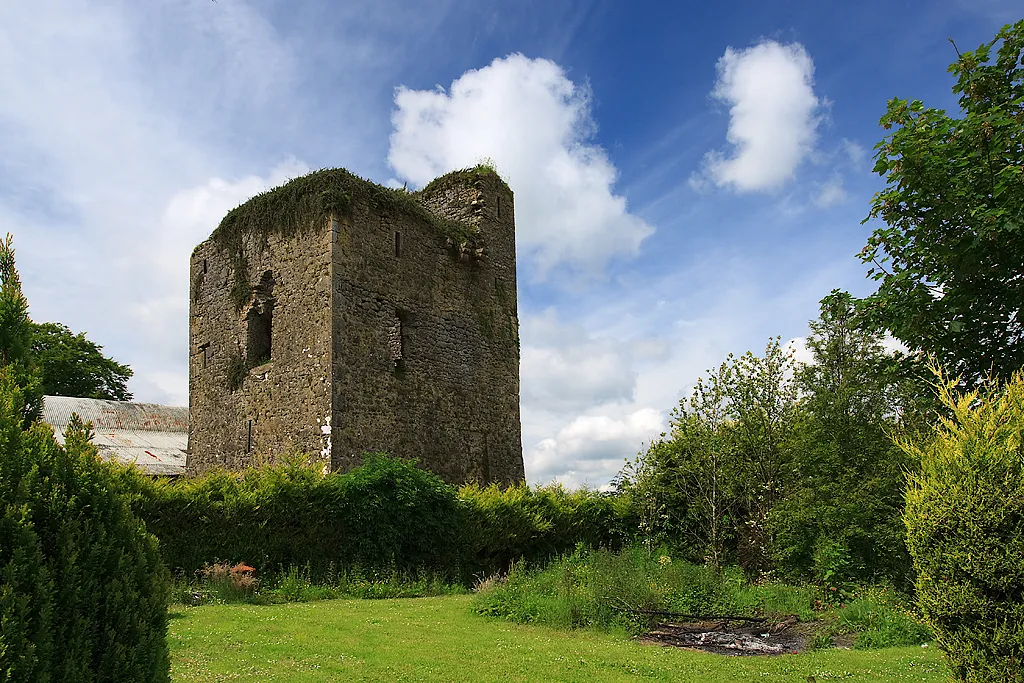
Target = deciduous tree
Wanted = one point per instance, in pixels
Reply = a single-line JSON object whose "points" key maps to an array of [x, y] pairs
{"points": [[841, 517], [950, 257], [72, 365]]}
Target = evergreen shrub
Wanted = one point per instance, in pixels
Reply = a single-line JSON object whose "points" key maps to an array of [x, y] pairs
{"points": [[965, 531], [83, 591]]}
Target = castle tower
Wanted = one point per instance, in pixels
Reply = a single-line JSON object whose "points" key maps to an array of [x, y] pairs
{"points": [[337, 317]]}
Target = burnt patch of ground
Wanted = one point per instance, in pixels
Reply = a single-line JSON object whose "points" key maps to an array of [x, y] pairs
{"points": [[733, 638]]}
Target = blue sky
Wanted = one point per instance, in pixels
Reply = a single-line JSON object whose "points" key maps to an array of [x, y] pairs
{"points": [[689, 178]]}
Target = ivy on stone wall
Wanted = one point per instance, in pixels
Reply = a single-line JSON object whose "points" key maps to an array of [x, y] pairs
{"points": [[300, 204]]}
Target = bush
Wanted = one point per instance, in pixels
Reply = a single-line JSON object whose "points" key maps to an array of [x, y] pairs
{"points": [[386, 513], [965, 531], [537, 524], [385, 516], [83, 592]]}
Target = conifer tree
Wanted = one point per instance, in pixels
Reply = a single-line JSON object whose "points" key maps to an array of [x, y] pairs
{"points": [[16, 334]]}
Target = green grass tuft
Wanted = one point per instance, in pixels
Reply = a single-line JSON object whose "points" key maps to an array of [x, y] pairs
{"points": [[607, 590], [880, 618]]}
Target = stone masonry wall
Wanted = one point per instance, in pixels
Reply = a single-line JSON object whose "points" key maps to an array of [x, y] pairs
{"points": [[426, 335], [389, 332], [281, 405]]}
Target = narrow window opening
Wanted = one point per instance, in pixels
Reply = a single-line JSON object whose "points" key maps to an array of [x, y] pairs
{"points": [[397, 345], [260, 323], [204, 349], [204, 266], [248, 439], [398, 243]]}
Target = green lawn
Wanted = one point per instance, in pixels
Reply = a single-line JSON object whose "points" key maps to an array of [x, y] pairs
{"points": [[440, 639]]}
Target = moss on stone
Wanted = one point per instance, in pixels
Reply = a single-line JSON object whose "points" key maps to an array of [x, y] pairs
{"points": [[236, 371], [297, 205], [461, 177], [197, 285]]}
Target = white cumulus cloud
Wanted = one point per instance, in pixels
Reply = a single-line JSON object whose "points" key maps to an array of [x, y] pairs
{"points": [[535, 124], [773, 116], [564, 369], [592, 447]]}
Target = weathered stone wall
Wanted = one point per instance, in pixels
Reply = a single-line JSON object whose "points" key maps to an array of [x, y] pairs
{"points": [[278, 406], [391, 331], [448, 392]]}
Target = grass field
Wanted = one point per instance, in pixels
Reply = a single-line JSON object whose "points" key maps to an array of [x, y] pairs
{"points": [[440, 639]]}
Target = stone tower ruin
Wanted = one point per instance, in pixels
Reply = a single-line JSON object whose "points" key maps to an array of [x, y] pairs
{"points": [[337, 317]]}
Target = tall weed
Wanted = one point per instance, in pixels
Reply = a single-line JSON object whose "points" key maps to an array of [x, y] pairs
{"points": [[880, 618], [613, 590]]}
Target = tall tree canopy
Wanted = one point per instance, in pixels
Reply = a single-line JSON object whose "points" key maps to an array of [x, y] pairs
{"points": [[950, 257], [71, 365], [841, 517]]}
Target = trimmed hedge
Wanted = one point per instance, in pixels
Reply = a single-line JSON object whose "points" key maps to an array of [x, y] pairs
{"points": [[83, 591], [383, 516], [538, 524], [965, 524]]}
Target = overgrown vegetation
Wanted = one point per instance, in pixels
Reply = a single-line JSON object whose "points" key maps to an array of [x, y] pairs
{"points": [[300, 205], [786, 468], [386, 516], [537, 524], [386, 513], [221, 583], [628, 590], [615, 590], [465, 176], [879, 617], [237, 369]]}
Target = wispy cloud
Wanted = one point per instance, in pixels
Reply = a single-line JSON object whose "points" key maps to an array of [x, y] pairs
{"points": [[102, 138], [831, 192]]}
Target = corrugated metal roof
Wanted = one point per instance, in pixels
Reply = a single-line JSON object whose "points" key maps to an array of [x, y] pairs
{"points": [[152, 437]]}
